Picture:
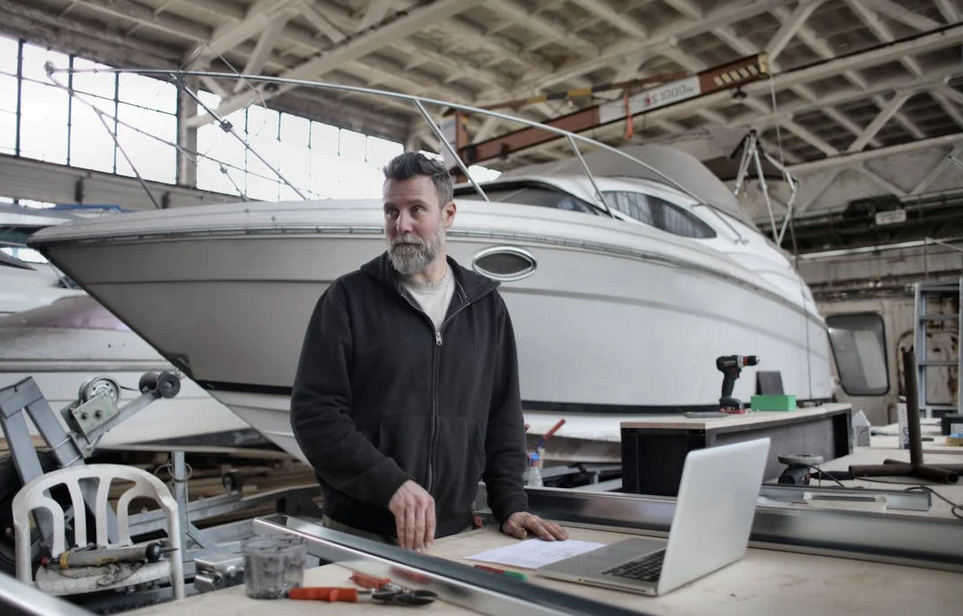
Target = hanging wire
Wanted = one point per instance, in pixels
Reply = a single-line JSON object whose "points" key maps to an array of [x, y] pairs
{"points": [[193, 155]]}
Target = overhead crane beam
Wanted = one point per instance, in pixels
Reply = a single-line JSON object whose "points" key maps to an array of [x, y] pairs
{"points": [[724, 77]]}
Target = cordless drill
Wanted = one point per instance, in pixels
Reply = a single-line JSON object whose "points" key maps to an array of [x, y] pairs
{"points": [[731, 367]]}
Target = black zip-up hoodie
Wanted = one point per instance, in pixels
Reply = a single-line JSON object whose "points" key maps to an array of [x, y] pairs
{"points": [[380, 398]]}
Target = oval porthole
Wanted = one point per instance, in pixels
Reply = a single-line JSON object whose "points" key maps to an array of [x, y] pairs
{"points": [[504, 263]]}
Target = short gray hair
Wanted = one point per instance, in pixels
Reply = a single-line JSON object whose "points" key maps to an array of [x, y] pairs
{"points": [[410, 164]]}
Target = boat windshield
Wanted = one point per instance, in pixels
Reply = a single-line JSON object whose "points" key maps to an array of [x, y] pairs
{"points": [[657, 213], [542, 195]]}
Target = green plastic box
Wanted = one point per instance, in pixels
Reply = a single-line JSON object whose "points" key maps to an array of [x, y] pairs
{"points": [[773, 403]]}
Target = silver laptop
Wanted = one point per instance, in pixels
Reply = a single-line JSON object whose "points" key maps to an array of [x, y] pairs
{"points": [[710, 528]]}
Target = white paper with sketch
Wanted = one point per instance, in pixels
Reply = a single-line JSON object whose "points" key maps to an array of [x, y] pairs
{"points": [[536, 553]]}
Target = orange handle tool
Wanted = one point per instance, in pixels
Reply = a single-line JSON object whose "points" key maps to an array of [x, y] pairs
{"points": [[323, 593], [369, 581]]}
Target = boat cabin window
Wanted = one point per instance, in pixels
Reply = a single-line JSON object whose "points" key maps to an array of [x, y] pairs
{"points": [[859, 347], [542, 196], [658, 213]]}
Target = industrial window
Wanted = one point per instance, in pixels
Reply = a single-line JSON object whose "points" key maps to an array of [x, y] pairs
{"points": [[859, 347], [658, 213]]}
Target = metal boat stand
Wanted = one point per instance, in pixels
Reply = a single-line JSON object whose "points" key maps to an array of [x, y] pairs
{"points": [[92, 416]]}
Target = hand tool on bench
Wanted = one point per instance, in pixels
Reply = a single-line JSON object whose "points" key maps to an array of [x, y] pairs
{"points": [[354, 595]]}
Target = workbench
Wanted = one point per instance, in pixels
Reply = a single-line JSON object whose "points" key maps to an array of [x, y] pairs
{"points": [[764, 582], [654, 447]]}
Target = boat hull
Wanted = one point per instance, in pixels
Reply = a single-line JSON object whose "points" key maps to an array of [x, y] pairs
{"points": [[60, 360], [613, 322]]}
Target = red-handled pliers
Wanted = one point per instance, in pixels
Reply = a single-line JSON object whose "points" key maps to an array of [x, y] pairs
{"points": [[353, 595]]}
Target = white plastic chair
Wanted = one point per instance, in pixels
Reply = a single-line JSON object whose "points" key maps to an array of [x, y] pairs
{"points": [[35, 495]]}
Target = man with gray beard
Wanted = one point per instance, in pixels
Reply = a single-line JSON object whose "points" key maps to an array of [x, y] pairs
{"points": [[406, 393]]}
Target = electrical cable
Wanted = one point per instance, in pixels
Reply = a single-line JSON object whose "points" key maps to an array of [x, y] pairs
{"points": [[827, 475], [955, 508]]}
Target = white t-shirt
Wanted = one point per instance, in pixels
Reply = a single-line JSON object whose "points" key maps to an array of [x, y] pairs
{"points": [[433, 297]]}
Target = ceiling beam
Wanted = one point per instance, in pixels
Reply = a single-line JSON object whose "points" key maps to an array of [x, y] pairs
{"points": [[837, 116], [952, 94], [948, 107], [881, 181], [179, 27], [938, 169], [810, 138], [933, 79], [620, 20], [105, 45], [948, 10], [817, 44], [884, 116], [333, 20], [882, 31], [349, 50], [736, 10], [232, 33], [545, 27], [789, 28], [815, 195], [312, 11], [377, 9], [898, 13], [865, 155], [143, 15], [921, 44], [744, 47], [262, 51], [474, 34], [686, 7]]}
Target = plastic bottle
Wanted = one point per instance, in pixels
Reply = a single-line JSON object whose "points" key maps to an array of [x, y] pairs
{"points": [[534, 471]]}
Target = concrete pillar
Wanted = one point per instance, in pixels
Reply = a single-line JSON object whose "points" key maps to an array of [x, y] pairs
{"points": [[186, 135]]}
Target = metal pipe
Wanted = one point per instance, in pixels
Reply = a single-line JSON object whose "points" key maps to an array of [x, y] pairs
{"points": [[912, 407], [448, 147], [175, 75], [19, 599]]}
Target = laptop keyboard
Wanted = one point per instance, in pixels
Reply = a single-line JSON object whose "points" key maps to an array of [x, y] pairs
{"points": [[645, 569]]}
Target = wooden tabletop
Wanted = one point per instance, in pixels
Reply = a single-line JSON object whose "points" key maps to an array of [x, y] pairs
{"points": [[676, 421], [764, 582]]}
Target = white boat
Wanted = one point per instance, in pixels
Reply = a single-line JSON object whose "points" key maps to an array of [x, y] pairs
{"points": [[613, 317], [624, 286], [25, 285], [73, 339]]}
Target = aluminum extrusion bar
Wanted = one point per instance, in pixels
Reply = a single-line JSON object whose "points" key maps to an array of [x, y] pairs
{"points": [[19, 599], [879, 537], [454, 582], [895, 499]]}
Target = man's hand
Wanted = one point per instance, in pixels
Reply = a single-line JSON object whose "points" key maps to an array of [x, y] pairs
{"points": [[414, 511], [520, 523]]}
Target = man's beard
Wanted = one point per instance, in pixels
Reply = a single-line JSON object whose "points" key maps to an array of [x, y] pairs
{"points": [[409, 254]]}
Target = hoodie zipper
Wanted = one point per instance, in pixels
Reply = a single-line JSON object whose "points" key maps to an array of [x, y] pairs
{"points": [[435, 363], [435, 378]]}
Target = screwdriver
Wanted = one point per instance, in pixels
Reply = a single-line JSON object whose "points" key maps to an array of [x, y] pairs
{"points": [[96, 557]]}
